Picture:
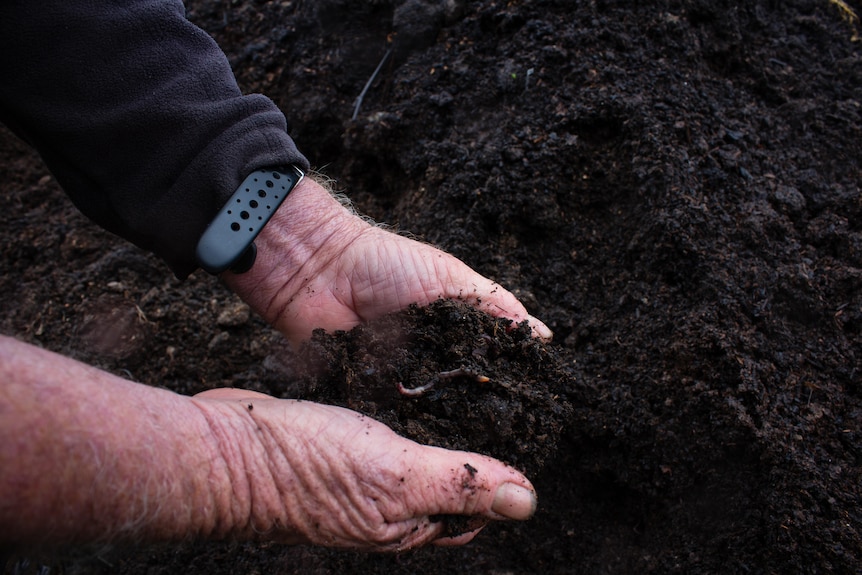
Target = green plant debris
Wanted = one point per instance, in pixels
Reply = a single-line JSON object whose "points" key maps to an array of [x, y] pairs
{"points": [[848, 15]]}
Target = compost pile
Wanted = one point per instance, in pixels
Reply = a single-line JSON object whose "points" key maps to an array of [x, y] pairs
{"points": [[672, 186]]}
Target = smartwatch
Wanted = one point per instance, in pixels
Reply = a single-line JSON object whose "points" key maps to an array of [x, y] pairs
{"points": [[228, 241]]}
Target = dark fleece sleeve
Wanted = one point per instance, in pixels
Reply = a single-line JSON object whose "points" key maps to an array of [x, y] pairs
{"points": [[137, 114]]}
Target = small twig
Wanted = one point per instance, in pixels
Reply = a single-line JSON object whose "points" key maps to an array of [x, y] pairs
{"points": [[368, 84], [460, 372]]}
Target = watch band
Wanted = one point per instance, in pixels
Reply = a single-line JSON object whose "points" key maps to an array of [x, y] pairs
{"points": [[228, 241]]}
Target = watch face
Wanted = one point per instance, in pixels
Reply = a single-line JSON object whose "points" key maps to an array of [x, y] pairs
{"points": [[228, 242]]}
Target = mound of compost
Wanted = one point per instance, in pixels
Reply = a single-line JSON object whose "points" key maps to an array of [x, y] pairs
{"points": [[672, 186]]}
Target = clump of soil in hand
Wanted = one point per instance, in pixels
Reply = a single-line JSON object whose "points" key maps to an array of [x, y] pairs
{"points": [[447, 375]]}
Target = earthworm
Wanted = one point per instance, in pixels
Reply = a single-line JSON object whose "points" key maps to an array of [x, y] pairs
{"points": [[461, 371], [415, 391]]}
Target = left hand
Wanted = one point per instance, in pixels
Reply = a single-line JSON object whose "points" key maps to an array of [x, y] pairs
{"points": [[321, 266]]}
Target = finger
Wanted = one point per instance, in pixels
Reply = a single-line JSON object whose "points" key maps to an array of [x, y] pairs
{"points": [[492, 298], [539, 329], [503, 303], [447, 540], [468, 484]]}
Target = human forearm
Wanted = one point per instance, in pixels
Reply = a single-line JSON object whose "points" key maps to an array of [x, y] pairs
{"points": [[90, 457], [87, 457]]}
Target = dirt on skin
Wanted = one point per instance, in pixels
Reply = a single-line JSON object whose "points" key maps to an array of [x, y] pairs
{"points": [[672, 186]]}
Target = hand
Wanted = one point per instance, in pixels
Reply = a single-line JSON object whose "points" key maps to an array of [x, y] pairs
{"points": [[310, 473], [321, 266]]}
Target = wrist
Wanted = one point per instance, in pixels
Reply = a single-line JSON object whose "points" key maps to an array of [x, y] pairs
{"points": [[228, 241], [308, 232], [251, 500]]}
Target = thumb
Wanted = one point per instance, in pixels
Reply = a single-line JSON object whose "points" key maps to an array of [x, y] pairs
{"points": [[471, 489]]}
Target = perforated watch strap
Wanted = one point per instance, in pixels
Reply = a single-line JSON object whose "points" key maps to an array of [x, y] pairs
{"points": [[228, 242]]}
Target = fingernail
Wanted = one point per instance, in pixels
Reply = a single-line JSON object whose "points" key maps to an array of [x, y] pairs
{"points": [[540, 329], [514, 502]]}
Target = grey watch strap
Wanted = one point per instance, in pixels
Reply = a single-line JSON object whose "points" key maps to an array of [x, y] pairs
{"points": [[228, 242]]}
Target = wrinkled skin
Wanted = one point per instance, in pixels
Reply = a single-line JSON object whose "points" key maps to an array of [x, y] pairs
{"points": [[329, 476], [321, 266], [89, 457]]}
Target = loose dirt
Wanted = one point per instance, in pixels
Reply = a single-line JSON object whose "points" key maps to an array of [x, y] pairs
{"points": [[672, 186]]}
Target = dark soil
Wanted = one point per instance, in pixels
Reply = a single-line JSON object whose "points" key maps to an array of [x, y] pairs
{"points": [[674, 187]]}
